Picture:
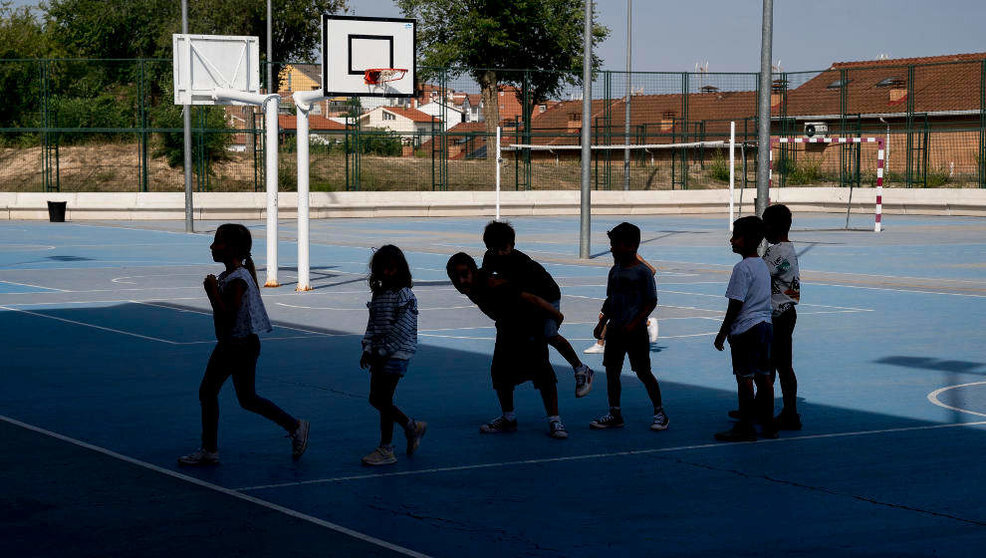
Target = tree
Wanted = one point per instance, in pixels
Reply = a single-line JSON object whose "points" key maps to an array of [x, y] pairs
{"points": [[143, 28], [483, 37], [22, 37]]}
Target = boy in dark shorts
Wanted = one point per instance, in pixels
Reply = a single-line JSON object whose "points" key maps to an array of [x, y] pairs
{"points": [[631, 295], [505, 262], [521, 350], [785, 293], [748, 328]]}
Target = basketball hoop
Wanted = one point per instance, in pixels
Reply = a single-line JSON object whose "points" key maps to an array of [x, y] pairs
{"points": [[376, 76]]}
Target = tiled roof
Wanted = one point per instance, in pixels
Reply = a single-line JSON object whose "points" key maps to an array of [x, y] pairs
{"points": [[315, 122], [412, 114]]}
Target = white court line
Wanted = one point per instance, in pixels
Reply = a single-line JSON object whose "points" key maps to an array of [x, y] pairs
{"points": [[220, 489], [685, 336], [120, 331], [275, 324], [917, 291], [52, 289], [363, 308], [606, 455], [933, 397]]}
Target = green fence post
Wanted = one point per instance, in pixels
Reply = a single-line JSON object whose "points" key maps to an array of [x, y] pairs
{"points": [[981, 170]]}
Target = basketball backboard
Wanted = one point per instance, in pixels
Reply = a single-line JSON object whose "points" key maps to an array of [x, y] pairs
{"points": [[204, 63], [353, 45]]}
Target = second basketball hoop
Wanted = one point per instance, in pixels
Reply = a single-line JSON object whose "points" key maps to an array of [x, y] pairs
{"points": [[368, 57]]}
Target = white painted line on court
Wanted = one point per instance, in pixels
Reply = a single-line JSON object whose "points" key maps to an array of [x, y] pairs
{"points": [[220, 489], [916, 291], [24, 247], [605, 455], [94, 326], [51, 289], [363, 308], [206, 313], [933, 397]]}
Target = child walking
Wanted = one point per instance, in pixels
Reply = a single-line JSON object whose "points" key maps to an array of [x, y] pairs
{"points": [[238, 315], [389, 343], [785, 293], [521, 350], [631, 295], [506, 262], [748, 328]]}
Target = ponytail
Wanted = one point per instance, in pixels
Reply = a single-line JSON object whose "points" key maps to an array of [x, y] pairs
{"points": [[248, 263]]}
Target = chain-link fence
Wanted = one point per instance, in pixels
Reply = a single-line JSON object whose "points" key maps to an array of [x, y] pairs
{"points": [[111, 125]]}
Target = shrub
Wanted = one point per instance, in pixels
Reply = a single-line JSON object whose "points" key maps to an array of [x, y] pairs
{"points": [[217, 135]]}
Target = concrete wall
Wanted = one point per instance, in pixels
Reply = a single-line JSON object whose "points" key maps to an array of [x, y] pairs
{"points": [[252, 205]]}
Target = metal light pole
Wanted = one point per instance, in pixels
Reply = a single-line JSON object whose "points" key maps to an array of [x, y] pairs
{"points": [[763, 111], [626, 131], [585, 205], [187, 114], [270, 82]]}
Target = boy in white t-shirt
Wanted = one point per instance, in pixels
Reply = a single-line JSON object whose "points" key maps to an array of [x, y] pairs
{"points": [[747, 325], [785, 283]]}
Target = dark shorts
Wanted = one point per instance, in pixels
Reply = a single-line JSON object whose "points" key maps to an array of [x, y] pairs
{"points": [[519, 359], [550, 325], [391, 367], [781, 350], [635, 345], [751, 351]]}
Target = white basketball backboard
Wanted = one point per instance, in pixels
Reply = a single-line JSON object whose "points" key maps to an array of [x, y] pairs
{"points": [[352, 45], [203, 63]]}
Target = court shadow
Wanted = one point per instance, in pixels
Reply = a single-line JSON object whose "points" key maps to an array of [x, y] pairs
{"points": [[940, 365]]}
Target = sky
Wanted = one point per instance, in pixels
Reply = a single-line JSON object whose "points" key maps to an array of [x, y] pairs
{"points": [[808, 34], [674, 35]]}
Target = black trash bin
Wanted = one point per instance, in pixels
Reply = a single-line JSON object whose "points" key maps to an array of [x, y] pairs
{"points": [[56, 211]]}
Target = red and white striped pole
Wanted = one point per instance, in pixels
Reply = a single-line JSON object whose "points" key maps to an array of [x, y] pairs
{"points": [[877, 226]]}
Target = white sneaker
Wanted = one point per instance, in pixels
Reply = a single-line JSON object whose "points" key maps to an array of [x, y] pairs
{"points": [[200, 457], [583, 381], [595, 349], [652, 329]]}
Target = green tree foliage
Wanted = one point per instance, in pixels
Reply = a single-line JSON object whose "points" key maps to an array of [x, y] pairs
{"points": [[22, 38], [216, 137], [487, 36]]}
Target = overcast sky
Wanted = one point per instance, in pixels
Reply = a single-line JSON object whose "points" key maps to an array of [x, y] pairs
{"points": [[674, 35]]}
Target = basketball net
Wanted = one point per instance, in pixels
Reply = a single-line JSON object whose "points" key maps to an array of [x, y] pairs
{"points": [[376, 76]]}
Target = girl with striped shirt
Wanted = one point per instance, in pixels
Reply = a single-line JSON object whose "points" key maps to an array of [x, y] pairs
{"points": [[389, 343]]}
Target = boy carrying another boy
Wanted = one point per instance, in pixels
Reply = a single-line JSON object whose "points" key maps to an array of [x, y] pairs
{"points": [[785, 293], [505, 262], [521, 350], [631, 295], [748, 328]]}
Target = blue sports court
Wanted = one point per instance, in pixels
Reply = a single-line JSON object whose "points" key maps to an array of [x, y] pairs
{"points": [[107, 332]]}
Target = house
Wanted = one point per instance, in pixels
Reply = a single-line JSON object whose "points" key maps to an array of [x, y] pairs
{"points": [[453, 114], [405, 121]]}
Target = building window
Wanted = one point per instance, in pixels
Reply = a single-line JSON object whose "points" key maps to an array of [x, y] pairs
{"points": [[837, 84], [389, 116], [891, 81]]}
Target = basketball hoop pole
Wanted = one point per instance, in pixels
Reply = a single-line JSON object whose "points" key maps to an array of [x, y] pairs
{"points": [[187, 130], [303, 103], [269, 104]]}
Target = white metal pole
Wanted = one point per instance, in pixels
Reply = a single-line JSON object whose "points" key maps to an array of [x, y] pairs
{"points": [[763, 108], [498, 160], [732, 174], [304, 280], [187, 129], [270, 114]]}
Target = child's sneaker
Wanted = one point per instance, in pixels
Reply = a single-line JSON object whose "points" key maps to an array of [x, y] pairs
{"points": [[609, 420], [200, 457], [788, 421], [299, 439], [583, 381], [380, 456], [415, 431], [557, 430], [737, 434], [652, 329], [498, 425], [661, 421], [595, 349], [735, 414]]}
